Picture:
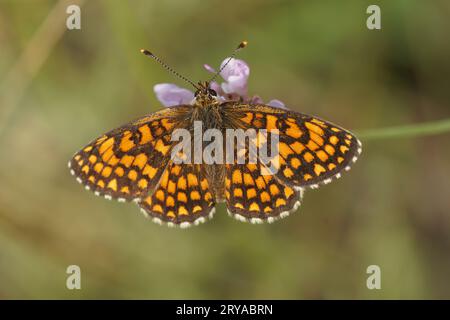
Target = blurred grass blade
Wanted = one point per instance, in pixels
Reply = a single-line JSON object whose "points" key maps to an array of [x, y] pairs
{"points": [[15, 83], [407, 131]]}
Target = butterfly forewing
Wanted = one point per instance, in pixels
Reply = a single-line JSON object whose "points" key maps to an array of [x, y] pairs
{"points": [[127, 162]]}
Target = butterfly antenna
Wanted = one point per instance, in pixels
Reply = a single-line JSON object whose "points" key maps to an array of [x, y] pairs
{"points": [[241, 45], [151, 55]]}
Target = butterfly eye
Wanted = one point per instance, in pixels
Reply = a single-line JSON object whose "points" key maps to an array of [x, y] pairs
{"points": [[212, 92], [196, 93]]}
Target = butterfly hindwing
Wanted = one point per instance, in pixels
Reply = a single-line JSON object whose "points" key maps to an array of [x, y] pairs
{"points": [[254, 195], [183, 196]]}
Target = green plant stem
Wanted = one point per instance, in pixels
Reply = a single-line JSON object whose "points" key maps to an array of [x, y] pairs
{"points": [[407, 131]]}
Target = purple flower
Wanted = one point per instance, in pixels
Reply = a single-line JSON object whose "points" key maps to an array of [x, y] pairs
{"points": [[170, 94], [235, 74], [277, 104]]}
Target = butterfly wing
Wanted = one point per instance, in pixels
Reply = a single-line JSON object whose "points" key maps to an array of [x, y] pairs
{"points": [[128, 162], [310, 152], [183, 197], [256, 197]]}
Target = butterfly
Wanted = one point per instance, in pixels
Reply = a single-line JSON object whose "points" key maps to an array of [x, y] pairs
{"points": [[135, 162]]}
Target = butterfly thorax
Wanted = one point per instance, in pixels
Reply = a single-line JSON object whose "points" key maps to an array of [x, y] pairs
{"points": [[207, 107], [208, 111], [204, 100]]}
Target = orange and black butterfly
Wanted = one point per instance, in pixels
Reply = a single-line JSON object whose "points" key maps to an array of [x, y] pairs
{"points": [[134, 162]]}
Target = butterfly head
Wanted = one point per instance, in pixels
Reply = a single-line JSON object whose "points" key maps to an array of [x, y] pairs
{"points": [[205, 95]]}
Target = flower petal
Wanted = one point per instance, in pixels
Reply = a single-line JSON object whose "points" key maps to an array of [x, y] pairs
{"points": [[209, 68], [256, 100], [235, 67], [235, 74], [170, 94], [277, 104]]}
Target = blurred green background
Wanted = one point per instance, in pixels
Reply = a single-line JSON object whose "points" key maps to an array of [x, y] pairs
{"points": [[60, 88]]}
